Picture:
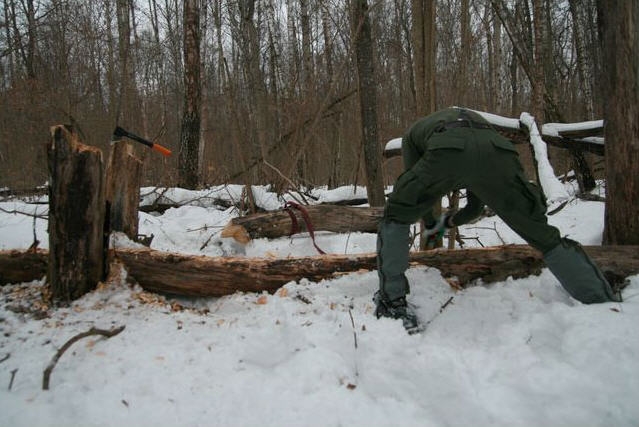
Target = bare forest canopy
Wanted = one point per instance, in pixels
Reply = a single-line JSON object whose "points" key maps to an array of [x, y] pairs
{"points": [[278, 78]]}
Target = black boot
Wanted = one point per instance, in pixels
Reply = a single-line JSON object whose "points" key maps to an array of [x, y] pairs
{"points": [[396, 309]]}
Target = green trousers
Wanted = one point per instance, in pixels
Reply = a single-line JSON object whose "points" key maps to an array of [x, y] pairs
{"points": [[440, 159], [485, 163]]}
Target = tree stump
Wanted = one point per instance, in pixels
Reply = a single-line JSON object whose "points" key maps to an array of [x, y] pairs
{"points": [[76, 216], [124, 173]]}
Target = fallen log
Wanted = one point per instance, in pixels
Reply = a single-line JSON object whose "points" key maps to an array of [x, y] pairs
{"points": [[190, 275], [19, 267], [338, 219], [205, 276]]}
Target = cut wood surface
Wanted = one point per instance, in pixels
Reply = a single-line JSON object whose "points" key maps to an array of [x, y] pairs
{"points": [[338, 219], [190, 275]]}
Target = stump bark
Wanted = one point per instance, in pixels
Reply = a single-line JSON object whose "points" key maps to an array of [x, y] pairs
{"points": [[76, 216], [124, 173]]}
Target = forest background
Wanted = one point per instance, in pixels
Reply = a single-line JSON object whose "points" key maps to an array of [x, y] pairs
{"points": [[278, 77]]}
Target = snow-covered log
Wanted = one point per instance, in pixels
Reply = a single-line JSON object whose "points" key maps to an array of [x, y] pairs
{"points": [[553, 189]]}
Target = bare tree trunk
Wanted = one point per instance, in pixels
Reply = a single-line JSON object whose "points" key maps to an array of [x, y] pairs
{"points": [[430, 30], [368, 102], [10, 53], [307, 60], [293, 48], [585, 180], [492, 28], [619, 21], [190, 132], [123, 107], [255, 86], [419, 52], [464, 60]]}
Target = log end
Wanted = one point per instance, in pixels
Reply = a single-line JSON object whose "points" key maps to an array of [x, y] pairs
{"points": [[236, 232]]}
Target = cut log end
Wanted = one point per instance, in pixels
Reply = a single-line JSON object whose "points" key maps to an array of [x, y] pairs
{"points": [[237, 232]]}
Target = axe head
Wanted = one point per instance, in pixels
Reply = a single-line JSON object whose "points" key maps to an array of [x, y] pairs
{"points": [[118, 134]]}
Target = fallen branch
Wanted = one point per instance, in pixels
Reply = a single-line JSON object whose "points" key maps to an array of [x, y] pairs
{"points": [[13, 375], [69, 343]]}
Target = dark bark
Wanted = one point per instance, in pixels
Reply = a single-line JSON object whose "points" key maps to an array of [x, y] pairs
{"points": [[619, 21], [216, 276], [201, 276], [368, 102], [190, 131], [18, 267], [76, 216], [338, 219], [123, 176]]}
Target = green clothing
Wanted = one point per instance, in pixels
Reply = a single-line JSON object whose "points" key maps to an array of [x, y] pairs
{"points": [[440, 155], [438, 160]]}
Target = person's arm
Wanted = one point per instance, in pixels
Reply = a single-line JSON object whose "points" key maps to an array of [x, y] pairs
{"points": [[474, 207]]}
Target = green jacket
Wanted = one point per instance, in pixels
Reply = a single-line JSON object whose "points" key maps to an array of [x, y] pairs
{"points": [[415, 145]]}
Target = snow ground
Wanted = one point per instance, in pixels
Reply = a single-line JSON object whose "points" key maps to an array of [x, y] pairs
{"points": [[515, 353]]}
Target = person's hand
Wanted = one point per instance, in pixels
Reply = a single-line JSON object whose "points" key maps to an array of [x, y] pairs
{"points": [[436, 231]]}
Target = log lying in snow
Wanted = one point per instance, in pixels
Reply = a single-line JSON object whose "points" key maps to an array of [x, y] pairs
{"points": [[217, 276], [206, 276], [18, 266], [338, 219]]}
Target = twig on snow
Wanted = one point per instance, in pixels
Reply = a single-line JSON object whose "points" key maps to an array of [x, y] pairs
{"points": [[65, 347], [351, 386], [13, 375], [441, 309]]}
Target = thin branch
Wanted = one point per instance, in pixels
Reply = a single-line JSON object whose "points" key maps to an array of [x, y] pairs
{"points": [[17, 212], [65, 347], [13, 375]]}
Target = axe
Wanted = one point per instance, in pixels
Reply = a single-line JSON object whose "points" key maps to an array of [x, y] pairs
{"points": [[119, 133]]}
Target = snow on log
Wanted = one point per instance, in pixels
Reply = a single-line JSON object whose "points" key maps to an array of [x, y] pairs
{"points": [[553, 189], [582, 136]]}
